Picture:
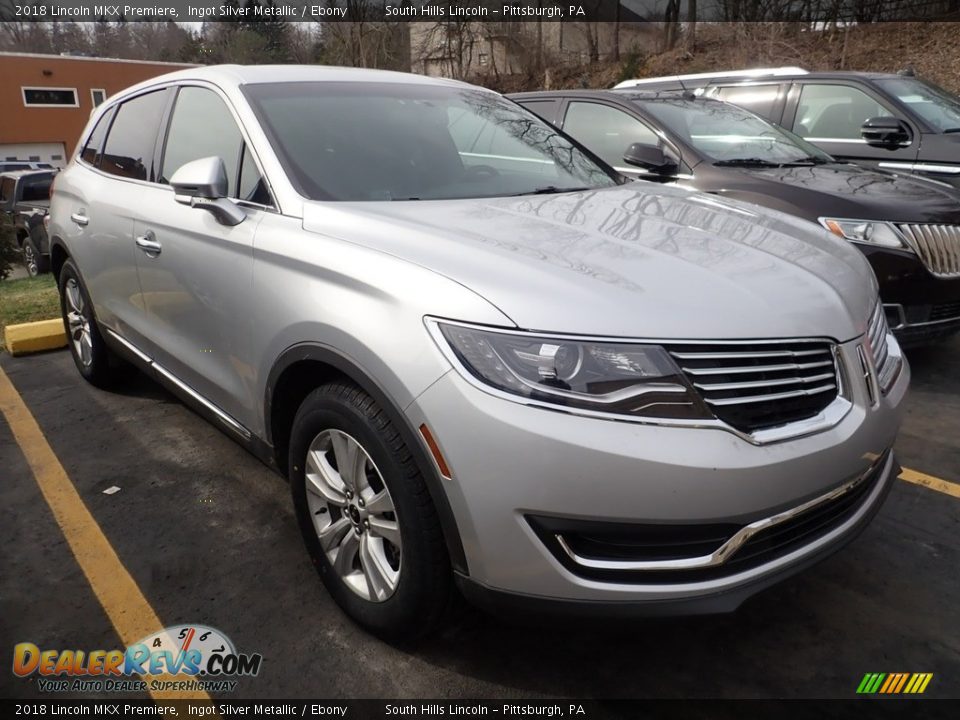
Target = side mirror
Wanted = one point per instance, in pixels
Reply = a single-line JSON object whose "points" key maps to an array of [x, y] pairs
{"points": [[887, 132], [203, 184], [651, 158]]}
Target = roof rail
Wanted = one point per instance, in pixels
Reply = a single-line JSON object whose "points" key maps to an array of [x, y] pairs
{"points": [[755, 72]]}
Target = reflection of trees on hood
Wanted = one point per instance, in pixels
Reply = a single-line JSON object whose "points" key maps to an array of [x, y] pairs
{"points": [[531, 131]]}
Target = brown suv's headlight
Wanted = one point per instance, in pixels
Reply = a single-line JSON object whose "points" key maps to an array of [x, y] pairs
{"points": [[871, 232], [604, 377]]}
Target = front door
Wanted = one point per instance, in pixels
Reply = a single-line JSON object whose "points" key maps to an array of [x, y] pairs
{"points": [[196, 274], [830, 116]]}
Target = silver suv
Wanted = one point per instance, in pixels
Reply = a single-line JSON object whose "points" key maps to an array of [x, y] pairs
{"points": [[481, 357]]}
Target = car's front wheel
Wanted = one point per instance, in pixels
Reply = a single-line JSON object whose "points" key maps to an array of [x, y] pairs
{"points": [[32, 259], [366, 515]]}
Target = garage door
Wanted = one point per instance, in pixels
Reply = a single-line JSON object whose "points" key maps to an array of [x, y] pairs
{"points": [[52, 153]]}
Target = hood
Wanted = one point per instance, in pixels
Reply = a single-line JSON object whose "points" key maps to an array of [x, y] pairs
{"points": [[840, 190], [639, 260]]}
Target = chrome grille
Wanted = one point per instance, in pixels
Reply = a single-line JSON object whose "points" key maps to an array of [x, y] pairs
{"points": [[878, 334], [754, 386], [937, 245]]}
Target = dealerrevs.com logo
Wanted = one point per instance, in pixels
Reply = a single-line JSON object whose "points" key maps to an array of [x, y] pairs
{"points": [[181, 657]]}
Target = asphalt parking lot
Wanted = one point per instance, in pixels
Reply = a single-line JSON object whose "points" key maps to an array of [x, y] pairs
{"points": [[208, 535]]}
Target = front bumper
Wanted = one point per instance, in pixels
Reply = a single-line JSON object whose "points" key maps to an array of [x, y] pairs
{"points": [[511, 463], [920, 307]]}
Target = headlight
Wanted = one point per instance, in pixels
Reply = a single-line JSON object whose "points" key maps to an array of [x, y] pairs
{"points": [[864, 231], [607, 377]]}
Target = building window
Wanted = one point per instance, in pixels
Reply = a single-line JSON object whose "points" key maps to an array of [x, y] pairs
{"points": [[49, 97], [98, 95]]}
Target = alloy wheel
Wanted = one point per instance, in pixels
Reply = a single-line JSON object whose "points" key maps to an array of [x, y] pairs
{"points": [[78, 323], [30, 260], [353, 515]]}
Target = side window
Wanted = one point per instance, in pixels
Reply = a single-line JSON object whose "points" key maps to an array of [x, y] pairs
{"points": [[606, 131], [133, 137], [94, 148], [7, 186], [202, 126], [542, 108], [755, 98], [834, 111], [252, 186]]}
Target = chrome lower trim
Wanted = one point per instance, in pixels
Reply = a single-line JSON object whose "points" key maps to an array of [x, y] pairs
{"points": [[921, 167], [228, 421], [731, 546]]}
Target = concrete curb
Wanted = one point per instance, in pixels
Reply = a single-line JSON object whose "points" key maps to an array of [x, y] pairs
{"points": [[35, 336]]}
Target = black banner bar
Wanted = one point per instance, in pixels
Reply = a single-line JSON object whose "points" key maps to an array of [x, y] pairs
{"points": [[624, 11], [440, 709]]}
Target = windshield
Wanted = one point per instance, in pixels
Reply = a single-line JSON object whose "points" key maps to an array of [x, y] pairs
{"points": [[728, 134], [389, 141], [935, 105]]}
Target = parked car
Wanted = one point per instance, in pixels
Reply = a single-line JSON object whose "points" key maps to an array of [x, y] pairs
{"points": [[482, 358], [908, 227], [25, 197], [11, 165], [882, 120]]}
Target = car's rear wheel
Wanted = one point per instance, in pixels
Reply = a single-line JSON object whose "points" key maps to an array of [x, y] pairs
{"points": [[366, 515], [90, 353]]}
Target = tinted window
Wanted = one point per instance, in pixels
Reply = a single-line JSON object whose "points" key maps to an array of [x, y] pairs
{"points": [[201, 127], [251, 183], [49, 96], [834, 111], [757, 98], [36, 188], [605, 130], [934, 104], [393, 141], [728, 133], [544, 108], [132, 138], [94, 148]]}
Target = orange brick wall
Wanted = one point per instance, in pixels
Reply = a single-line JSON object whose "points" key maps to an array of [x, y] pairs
{"points": [[19, 124]]}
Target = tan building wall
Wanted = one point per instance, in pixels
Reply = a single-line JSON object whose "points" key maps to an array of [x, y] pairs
{"points": [[38, 129]]}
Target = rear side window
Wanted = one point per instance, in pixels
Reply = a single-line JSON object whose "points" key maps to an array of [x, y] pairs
{"points": [[93, 149], [201, 127], [133, 136], [37, 188], [756, 98], [7, 186]]}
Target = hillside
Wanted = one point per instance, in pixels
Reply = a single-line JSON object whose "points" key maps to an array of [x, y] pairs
{"points": [[931, 49]]}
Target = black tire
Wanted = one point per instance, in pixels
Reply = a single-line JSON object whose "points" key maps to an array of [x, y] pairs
{"points": [[424, 589], [35, 263], [97, 369]]}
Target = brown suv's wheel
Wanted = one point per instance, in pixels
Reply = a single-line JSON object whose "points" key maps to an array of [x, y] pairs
{"points": [[366, 514]]}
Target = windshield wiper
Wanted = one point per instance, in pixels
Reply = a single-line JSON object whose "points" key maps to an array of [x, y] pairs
{"points": [[952, 130], [806, 161], [746, 162], [551, 190]]}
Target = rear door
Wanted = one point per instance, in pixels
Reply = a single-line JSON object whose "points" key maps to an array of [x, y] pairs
{"points": [[196, 274], [101, 196], [829, 114]]}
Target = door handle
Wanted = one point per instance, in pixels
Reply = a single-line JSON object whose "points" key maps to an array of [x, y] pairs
{"points": [[148, 243], [79, 218]]}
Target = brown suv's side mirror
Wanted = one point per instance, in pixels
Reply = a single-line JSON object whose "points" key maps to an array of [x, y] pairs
{"points": [[650, 157], [203, 184], [885, 131]]}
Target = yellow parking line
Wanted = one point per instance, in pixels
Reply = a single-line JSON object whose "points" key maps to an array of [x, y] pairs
{"points": [[931, 482], [118, 593]]}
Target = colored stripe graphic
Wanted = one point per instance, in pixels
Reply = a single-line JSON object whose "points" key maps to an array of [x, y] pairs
{"points": [[894, 683]]}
